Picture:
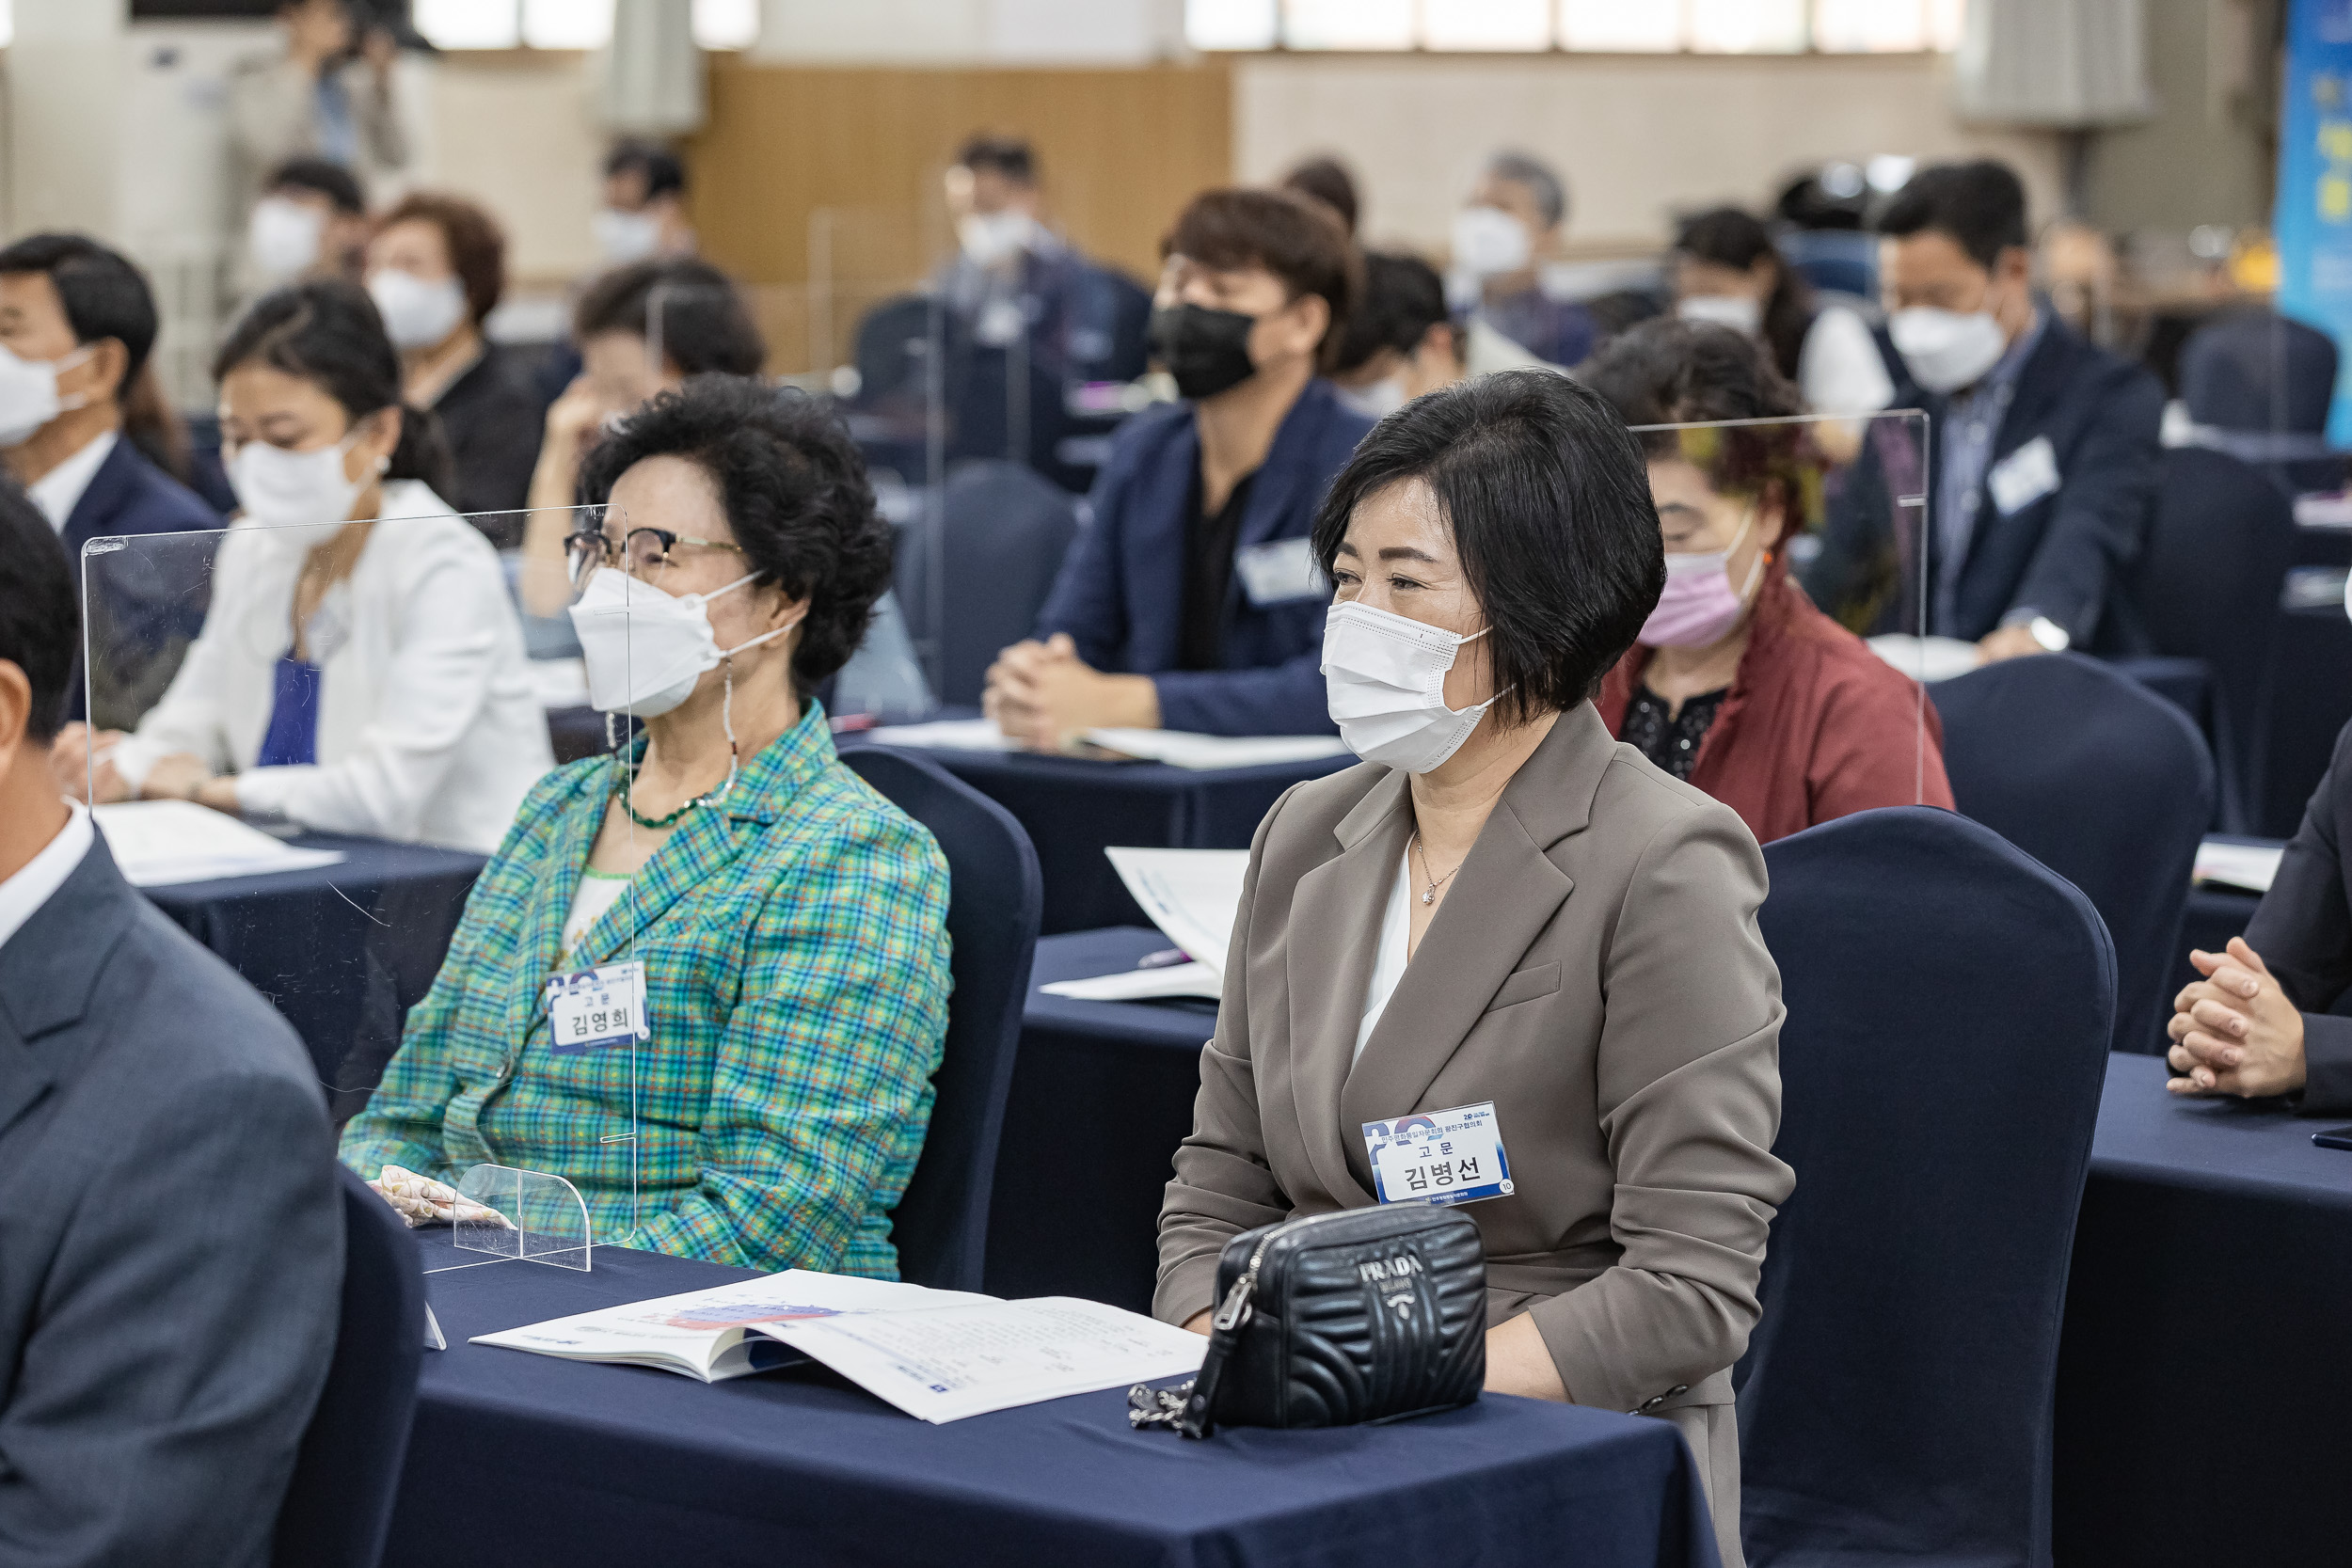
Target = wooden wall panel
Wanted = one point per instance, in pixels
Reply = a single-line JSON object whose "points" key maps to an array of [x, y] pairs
{"points": [[853, 156]]}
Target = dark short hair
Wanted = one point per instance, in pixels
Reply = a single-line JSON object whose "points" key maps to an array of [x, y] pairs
{"points": [[327, 333], [1542, 180], [320, 178], [1550, 505], [40, 624], [663, 173], [1671, 372], [1009, 156], [1326, 180], [1734, 238], [794, 488], [1404, 297], [103, 294], [1981, 206], [704, 325], [1297, 240], [477, 246]]}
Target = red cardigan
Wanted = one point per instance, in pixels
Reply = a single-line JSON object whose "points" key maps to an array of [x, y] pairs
{"points": [[1815, 726]]}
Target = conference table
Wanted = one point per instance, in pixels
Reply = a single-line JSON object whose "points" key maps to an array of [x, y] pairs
{"points": [[2202, 1409], [341, 950], [1072, 808], [519, 1458]]}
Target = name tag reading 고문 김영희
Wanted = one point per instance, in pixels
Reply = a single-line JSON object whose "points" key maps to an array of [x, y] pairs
{"points": [[597, 1008], [1438, 1157]]}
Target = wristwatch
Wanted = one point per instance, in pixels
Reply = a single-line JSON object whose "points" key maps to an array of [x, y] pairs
{"points": [[2049, 634]]}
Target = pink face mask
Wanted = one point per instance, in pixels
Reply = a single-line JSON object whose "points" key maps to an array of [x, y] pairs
{"points": [[1699, 607]]}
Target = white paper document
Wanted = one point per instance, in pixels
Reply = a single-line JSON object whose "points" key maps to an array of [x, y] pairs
{"points": [[2250, 867], [1926, 659], [1142, 985], [939, 1355], [1184, 749], [1192, 896], [158, 842], [946, 735]]}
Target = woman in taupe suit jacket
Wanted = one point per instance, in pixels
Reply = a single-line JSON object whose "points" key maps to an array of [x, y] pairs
{"points": [[1503, 904]]}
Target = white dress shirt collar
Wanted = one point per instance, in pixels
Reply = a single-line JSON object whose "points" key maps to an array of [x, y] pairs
{"points": [[22, 894], [60, 491]]}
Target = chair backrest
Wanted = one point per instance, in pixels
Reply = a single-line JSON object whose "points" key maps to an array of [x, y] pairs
{"points": [[2256, 369], [995, 898], [1003, 532], [2207, 587], [1949, 1003], [338, 1503], [2104, 783], [1842, 260], [891, 342]]}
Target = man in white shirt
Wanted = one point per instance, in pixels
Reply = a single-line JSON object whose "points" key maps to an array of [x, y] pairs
{"points": [[171, 1260]]}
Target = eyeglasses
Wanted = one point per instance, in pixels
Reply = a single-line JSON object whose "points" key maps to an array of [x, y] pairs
{"points": [[643, 551]]}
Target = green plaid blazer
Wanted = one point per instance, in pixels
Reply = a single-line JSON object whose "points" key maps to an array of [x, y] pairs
{"points": [[795, 944]]}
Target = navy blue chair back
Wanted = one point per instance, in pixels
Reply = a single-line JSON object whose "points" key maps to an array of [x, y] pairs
{"points": [[338, 1503], [1005, 532], [995, 898], [2253, 370], [2104, 783], [1837, 261], [1949, 1003], [2207, 587]]}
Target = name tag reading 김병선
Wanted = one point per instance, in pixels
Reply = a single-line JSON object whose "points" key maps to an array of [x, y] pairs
{"points": [[1438, 1157], [597, 1008]]}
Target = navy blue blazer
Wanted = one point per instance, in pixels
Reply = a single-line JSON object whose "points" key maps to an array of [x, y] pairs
{"points": [[171, 1267], [128, 495], [1120, 594], [2067, 553]]}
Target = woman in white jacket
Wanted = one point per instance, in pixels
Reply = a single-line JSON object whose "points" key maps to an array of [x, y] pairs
{"points": [[360, 669]]}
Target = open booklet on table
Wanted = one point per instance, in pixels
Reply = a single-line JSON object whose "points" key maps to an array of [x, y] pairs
{"points": [[164, 843], [1192, 896], [937, 1355]]}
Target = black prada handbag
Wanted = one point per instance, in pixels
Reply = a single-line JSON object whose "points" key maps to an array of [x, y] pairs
{"points": [[1331, 1320]]}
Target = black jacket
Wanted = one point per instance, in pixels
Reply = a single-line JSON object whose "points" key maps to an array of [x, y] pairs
{"points": [[2303, 932], [492, 419], [172, 1259], [2067, 553]]}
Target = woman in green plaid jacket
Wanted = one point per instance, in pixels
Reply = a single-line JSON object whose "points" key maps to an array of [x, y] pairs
{"points": [[790, 922]]}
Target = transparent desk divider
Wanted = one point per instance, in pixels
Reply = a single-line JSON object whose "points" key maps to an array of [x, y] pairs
{"points": [[1845, 500], [523, 1214], [236, 681]]}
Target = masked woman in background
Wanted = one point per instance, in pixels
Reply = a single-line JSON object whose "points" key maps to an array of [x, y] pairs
{"points": [[790, 923], [1727, 272], [1737, 684], [354, 675]]}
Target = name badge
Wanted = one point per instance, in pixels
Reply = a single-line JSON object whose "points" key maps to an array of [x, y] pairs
{"points": [[1439, 1157], [597, 1008], [2024, 477], [1281, 571]]}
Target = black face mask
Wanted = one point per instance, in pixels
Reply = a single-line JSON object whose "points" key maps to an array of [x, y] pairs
{"points": [[1206, 351]]}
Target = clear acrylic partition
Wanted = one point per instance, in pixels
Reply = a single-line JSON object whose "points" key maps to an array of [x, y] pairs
{"points": [[523, 1214], [234, 680], [1850, 494]]}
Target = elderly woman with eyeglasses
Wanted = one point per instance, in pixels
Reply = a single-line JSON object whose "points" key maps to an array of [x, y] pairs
{"points": [[789, 923]]}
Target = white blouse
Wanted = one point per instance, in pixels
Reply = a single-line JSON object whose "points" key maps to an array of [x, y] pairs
{"points": [[1389, 960]]}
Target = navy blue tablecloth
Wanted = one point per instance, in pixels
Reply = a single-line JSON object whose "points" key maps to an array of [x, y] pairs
{"points": [[523, 1459], [343, 950], [1073, 808], [1102, 1094], [2202, 1385]]}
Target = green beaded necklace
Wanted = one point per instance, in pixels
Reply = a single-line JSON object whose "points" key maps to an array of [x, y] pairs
{"points": [[655, 824]]}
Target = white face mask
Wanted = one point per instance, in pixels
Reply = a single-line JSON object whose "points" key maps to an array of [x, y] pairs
{"points": [[1742, 313], [417, 314], [28, 394], [278, 489], [1947, 350], [644, 648], [625, 237], [989, 238], [1488, 242], [284, 237], [1384, 680], [1377, 401]]}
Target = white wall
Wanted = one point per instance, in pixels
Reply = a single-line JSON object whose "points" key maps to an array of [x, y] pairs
{"points": [[971, 32], [1638, 137], [521, 139]]}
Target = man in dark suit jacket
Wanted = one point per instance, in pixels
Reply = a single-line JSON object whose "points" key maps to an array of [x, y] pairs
{"points": [[172, 1259], [2268, 1019], [1192, 602], [2042, 477], [81, 319]]}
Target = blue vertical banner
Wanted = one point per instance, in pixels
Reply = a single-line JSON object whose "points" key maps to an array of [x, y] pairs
{"points": [[2314, 216]]}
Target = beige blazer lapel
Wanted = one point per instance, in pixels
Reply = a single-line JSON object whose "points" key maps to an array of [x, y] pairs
{"points": [[1334, 937], [1507, 891]]}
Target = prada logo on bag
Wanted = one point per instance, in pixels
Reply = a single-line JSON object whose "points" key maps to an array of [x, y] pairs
{"points": [[1390, 1268]]}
